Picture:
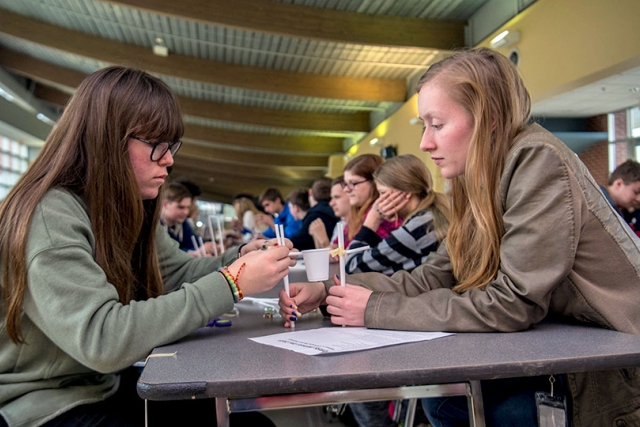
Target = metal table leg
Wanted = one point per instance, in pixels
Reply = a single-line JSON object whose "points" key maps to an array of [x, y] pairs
{"points": [[222, 411], [476, 407]]}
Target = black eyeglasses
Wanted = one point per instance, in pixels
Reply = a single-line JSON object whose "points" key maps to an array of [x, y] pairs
{"points": [[159, 149], [352, 185]]}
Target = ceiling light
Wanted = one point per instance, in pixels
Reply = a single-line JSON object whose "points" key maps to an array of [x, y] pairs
{"points": [[415, 121], [505, 39], [160, 48], [374, 141], [45, 119]]}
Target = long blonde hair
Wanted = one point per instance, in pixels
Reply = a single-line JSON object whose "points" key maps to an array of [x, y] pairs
{"points": [[409, 174], [86, 153], [364, 165], [489, 87]]}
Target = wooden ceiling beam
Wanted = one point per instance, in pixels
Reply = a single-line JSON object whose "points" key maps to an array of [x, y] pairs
{"points": [[234, 139], [256, 171], [67, 80], [311, 22], [51, 95], [191, 68], [293, 143], [349, 122], [251, 158], [236, 182], [62, 78]]}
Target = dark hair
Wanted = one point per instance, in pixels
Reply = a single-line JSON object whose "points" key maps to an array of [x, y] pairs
{"points": [[299, 198], [321, 189], [87, 154], [271, 194], [337, 180], [193, 188], [628, 171], [176, 192]]}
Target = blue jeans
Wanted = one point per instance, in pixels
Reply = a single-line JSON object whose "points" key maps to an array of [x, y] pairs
{"points": [[507, 403]]}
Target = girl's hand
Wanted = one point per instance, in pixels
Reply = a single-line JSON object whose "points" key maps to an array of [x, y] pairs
{"points": [[261, 270], [262, 244], [390, 203], [304, 298], [347, 304]]}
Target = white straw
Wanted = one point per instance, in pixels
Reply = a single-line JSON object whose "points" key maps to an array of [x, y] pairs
{"points": [[280, 240], [202, 249], [213, 237], [195, 245], [220, 232], [342, 257]]}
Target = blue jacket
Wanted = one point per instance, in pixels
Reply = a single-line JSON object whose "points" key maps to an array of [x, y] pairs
{"points": [[290, 224]]}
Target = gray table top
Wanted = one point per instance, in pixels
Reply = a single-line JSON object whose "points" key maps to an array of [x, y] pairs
{"points": [[219, 362]]}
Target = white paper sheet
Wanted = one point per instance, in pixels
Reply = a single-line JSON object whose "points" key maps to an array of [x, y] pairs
{"points": [[339, 340]]}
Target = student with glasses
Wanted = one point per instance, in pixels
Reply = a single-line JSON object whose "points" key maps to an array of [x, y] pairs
{"points": [[362, 192], [91, 282]]}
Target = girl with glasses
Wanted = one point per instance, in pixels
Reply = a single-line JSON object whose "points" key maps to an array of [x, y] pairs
{"points": [[531, 235], [91, 282], [362, 192]]}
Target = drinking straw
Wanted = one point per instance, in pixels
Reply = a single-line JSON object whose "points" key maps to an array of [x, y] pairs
{"points": [[342, 254], [195, 245], [213, 236], [220, 233], [203, 250], [280, 240]]}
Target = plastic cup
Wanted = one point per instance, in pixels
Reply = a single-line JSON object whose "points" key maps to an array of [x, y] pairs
{"points": [[316, 263]]}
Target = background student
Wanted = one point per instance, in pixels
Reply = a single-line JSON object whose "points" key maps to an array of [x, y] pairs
{"points": [[406, 191], [340, 204], [176, 204], [531, 234], [623, 192], [91, 282], [277, 209], [309, 206]]}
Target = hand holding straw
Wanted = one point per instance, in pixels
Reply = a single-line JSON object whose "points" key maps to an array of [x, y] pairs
{"points": [[280, 240]]}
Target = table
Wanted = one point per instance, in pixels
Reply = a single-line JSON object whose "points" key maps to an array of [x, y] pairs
{"points": [[260, 377]]}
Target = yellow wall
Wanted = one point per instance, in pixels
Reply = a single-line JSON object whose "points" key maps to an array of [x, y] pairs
{"points": [[564, 44]]}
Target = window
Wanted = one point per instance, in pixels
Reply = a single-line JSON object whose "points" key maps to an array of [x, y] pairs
{"points": [[624, 136], [14, 161]]}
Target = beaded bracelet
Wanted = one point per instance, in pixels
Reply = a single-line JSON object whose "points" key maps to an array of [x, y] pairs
{"points": [[238, 295]]}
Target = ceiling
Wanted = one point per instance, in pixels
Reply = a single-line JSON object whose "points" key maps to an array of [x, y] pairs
{"points": [[269, 88]]}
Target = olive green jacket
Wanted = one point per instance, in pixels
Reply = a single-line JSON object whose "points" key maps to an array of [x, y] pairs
{"points": [[77, 335], [564, 251]]}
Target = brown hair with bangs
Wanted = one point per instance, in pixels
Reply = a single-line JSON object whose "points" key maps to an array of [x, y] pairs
{"points": [[489, 87], [87, 154], [364, 165]]}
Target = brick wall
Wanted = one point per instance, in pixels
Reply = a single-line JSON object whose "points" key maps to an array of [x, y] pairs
{"points": [[596, 157]]}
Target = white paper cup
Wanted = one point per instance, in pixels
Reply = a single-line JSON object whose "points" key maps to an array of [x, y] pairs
{"points": [[316, 262]]}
